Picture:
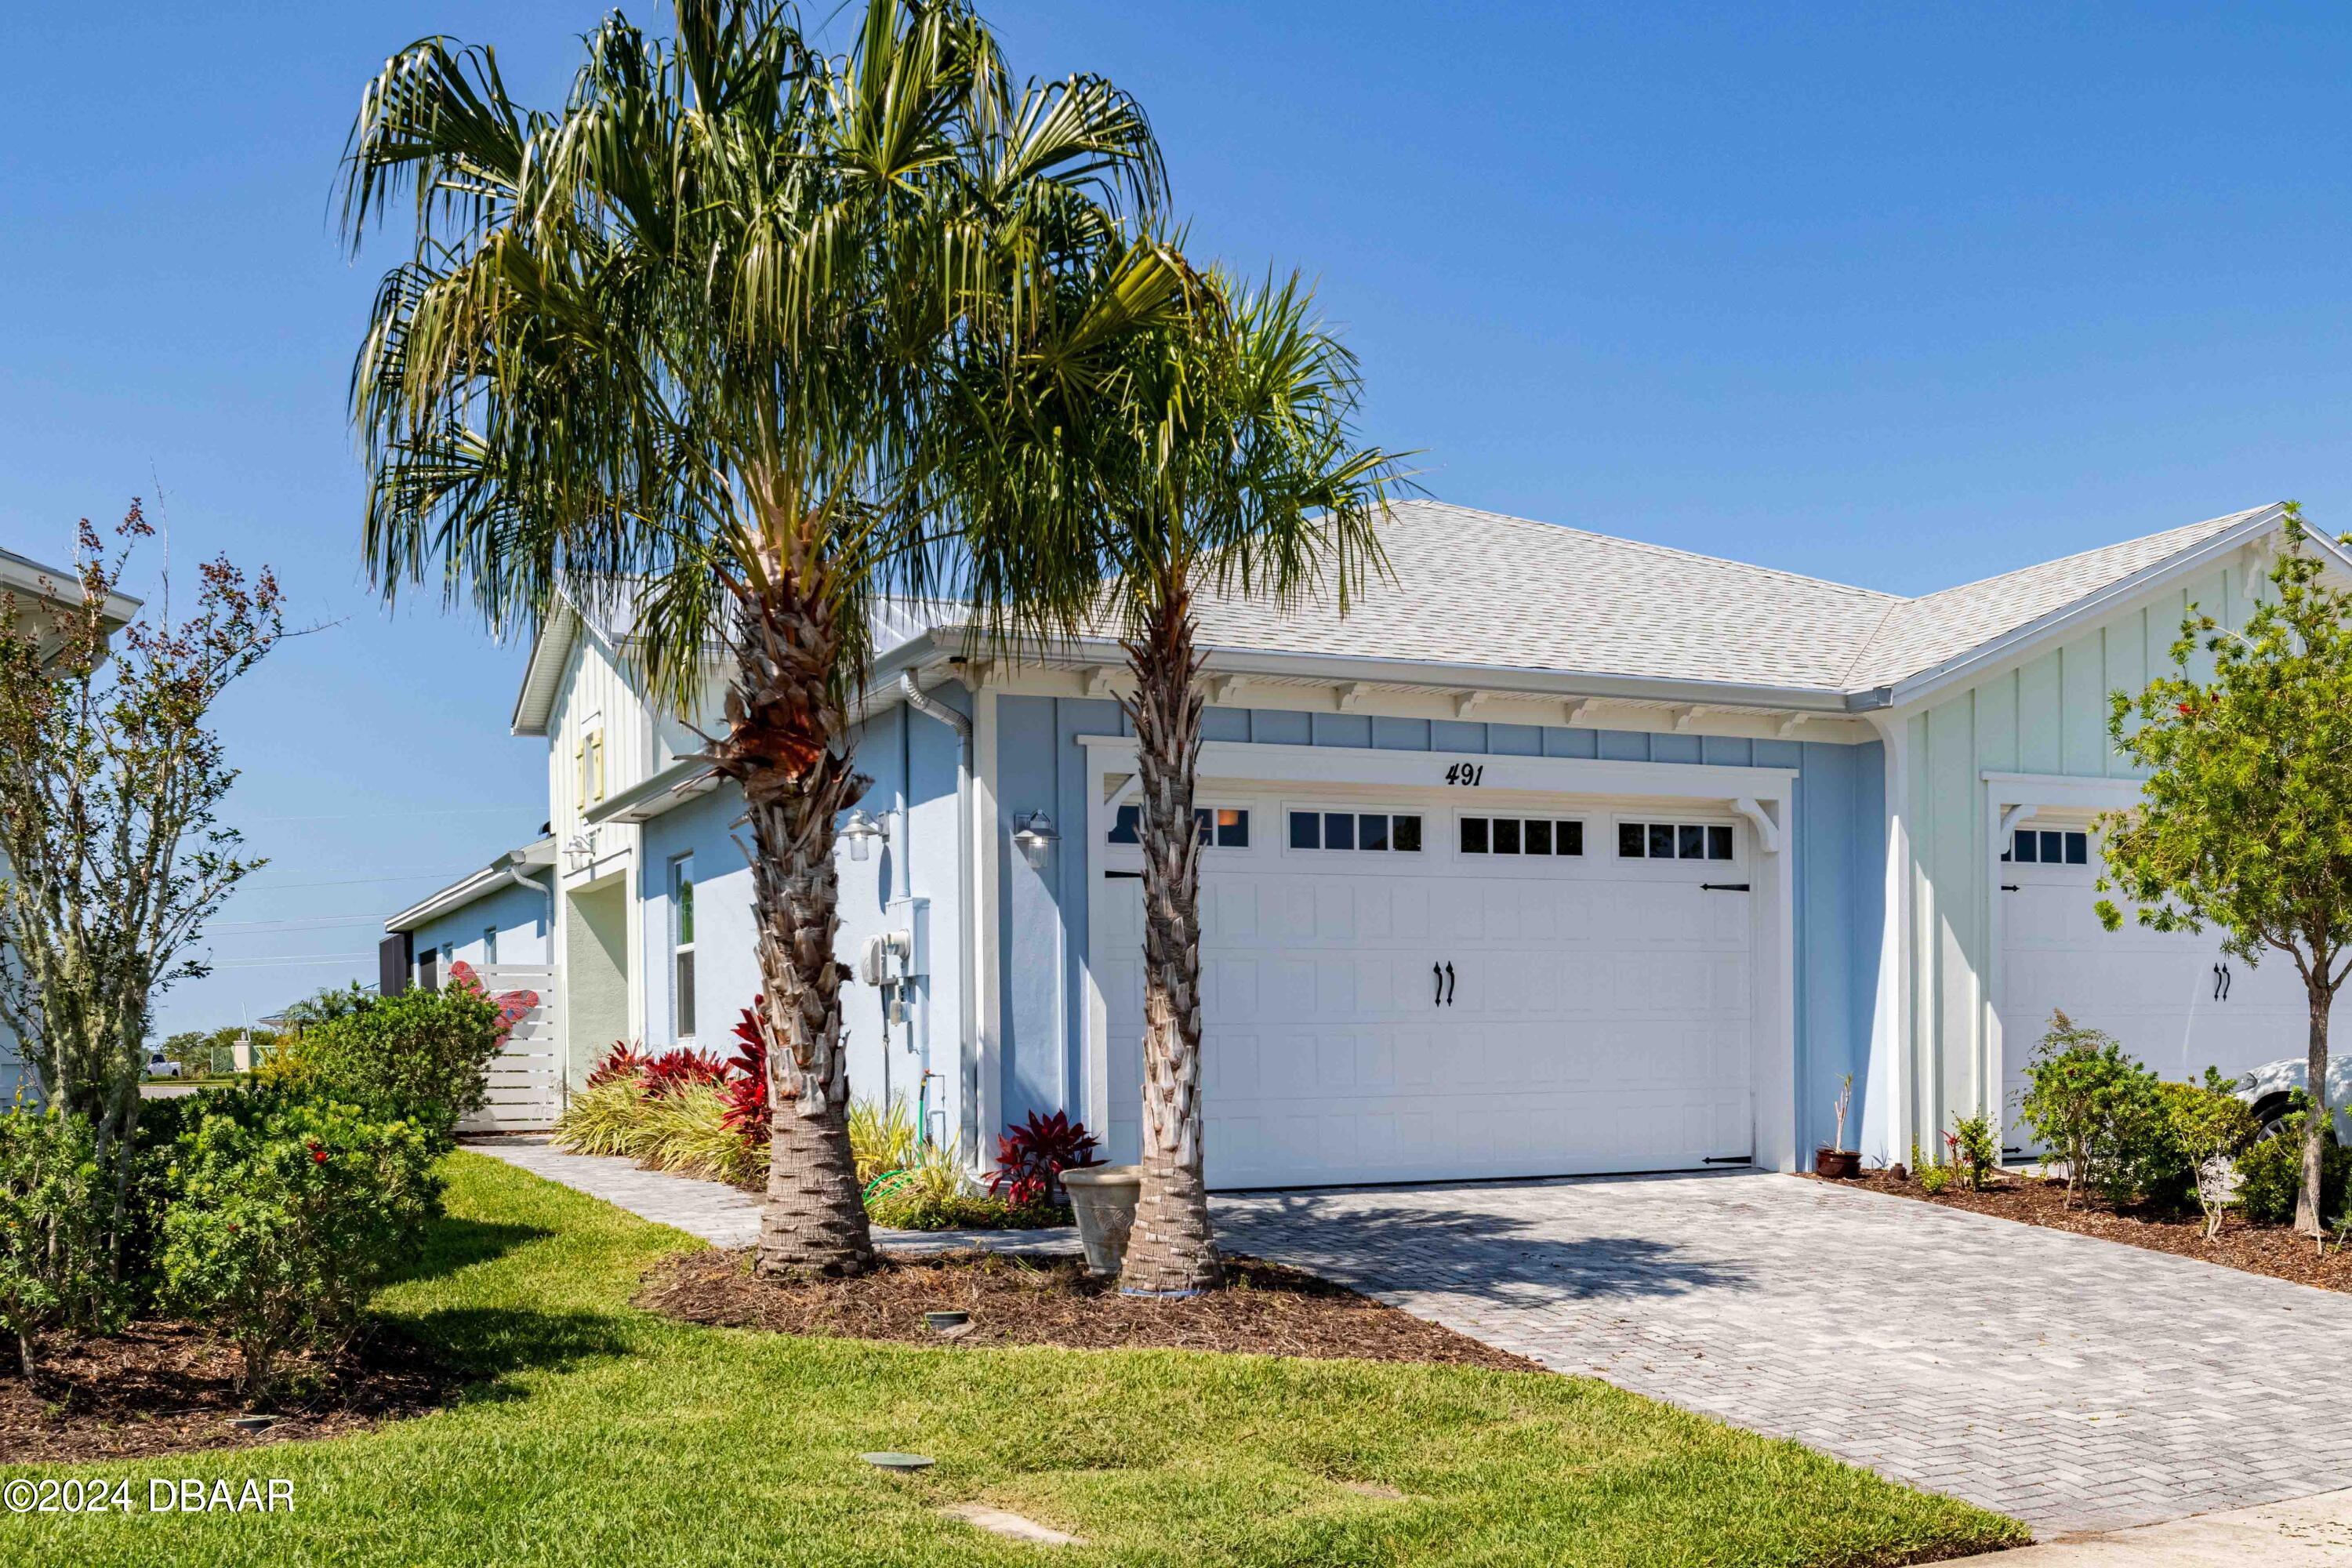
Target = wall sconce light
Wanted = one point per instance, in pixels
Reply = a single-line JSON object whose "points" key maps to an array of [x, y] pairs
{"points": [[1035, 837], [579, 849], [860, 831]]}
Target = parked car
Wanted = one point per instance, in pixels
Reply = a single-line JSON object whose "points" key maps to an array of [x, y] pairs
{"points": [[160, 1065], [2270, 1088]]}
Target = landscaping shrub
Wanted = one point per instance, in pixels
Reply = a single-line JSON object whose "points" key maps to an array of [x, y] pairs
{"points": [[418, 1056], [1032, 1156], [285, 1217], [1972, 1150], [2209, 1126], [2270, 1175], [56, 1269], [882, 1139], [917, 1210], [2100, 1111], [670, 1111], [747, 1089]]}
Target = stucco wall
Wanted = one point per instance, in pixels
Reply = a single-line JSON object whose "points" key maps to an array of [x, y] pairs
{"points": [[911, 762], [2044, 714], [520, 915], [1043, 930]]}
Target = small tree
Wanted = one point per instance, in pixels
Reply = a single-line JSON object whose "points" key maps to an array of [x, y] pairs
{"points": [[2245, 821], [109, 785]]}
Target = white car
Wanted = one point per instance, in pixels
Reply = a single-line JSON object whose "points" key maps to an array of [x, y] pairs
{"points": [[160, 1065], [2268, 1088]]}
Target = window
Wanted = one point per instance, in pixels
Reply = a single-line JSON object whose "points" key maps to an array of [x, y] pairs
{"points": [[681, 945], [1674, 841], [1224, 827], [1375, 832], [489, 946], [2034, 845], [428, 968], [1521, 836]]}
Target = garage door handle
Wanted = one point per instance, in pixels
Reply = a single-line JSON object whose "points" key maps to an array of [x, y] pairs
{"points": [[1437, 973], [2009, 887], [1449, 984], [1723, 887]]}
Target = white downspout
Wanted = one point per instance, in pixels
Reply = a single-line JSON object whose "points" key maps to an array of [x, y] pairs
{"points": [[967, 917]]}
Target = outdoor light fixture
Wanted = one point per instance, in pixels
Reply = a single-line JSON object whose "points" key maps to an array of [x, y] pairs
{"points": [[861, 830], [1033, 835], [579, 849]]}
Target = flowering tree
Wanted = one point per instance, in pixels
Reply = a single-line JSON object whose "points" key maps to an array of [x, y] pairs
{"points": [[109, 789], [2245, 821]]}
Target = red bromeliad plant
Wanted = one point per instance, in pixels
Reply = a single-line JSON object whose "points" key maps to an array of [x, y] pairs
{"points": [[678, 1070], [624, 1060], [747, 1091], [1030, 1158]]}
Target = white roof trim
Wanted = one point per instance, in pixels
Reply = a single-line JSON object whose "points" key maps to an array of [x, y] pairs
{"points": [[492, 878], [2099, 602]]}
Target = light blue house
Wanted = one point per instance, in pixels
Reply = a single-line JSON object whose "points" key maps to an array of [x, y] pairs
{"points": [[1558, 853]]}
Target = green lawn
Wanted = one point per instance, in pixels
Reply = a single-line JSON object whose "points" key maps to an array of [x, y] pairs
{"points": [[604, 1436]]}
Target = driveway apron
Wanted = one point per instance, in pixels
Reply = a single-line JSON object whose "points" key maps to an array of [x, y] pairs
{"points": [[2073, 1383]]}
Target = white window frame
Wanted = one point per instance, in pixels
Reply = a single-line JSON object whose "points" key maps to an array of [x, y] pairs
{"points": [[1679, 819], [1112, 807], [1490, 857], [1358, 809], [682, 949]]}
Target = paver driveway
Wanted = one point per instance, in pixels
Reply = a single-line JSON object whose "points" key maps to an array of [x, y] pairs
{"points": [[2072, 1382]]}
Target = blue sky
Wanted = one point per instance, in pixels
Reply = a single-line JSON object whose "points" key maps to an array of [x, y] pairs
{"points": [[1901, 300]]}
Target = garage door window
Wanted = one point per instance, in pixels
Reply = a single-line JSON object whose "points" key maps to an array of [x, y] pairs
{"points": [[1374, 832], [1521, 836], [2035, 847], [1674, 841], [1219, 826]]}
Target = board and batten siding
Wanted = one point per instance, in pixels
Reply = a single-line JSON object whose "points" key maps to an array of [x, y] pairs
{"points": [[594, 696], [2044, 714], [1043, 932]]}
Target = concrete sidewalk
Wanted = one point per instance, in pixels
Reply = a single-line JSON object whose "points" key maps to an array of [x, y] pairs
{"points": [[2304, 1533]]}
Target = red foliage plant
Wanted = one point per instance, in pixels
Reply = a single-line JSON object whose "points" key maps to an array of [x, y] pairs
{"points": [[747, 1089], [624, 1060], [1033, 1155], [678, 1068]]}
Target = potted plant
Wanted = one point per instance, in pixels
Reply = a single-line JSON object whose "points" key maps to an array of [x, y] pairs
{"points": [[1836, 1160]]}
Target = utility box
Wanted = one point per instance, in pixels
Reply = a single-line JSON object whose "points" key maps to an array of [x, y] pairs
{"points": [[912, 916]]}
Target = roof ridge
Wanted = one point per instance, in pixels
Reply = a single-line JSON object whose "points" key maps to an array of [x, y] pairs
{"points": [[1643, 544], [2216, 524]]}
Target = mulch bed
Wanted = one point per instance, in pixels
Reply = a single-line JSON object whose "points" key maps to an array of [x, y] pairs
{"points": [[168, 1388], [2275, 1250], [1264, 1308]]}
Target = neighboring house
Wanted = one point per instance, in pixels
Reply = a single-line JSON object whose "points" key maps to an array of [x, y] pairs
{"points": [[1559, 853], [39, 590]]}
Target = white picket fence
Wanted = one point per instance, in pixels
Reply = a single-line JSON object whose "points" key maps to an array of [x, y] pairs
{"points": [[526, 1078]]}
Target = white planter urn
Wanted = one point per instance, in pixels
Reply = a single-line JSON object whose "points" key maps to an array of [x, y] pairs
{"points": [[1103, 1197]]}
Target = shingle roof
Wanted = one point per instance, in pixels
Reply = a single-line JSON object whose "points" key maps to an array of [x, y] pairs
{"points": [[1480, 588], [1921, 633], [1476, 587]]}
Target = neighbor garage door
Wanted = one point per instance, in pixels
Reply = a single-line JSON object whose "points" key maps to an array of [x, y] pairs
{"points": [[1401, 991], [2174, 1000]]}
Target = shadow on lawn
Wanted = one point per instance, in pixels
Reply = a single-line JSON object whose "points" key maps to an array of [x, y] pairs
{"points": [[1505, 1258], [486, 1343], [456, 1244]]}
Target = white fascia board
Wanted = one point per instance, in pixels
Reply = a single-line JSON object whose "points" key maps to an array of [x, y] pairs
{"points": [[535, 699], [2059, 791], [491, 879], [57, 585], [664, 791], [2093, 605], [1246, 760]]}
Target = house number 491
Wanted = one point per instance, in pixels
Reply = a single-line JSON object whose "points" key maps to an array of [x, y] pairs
{"points": [[1468, 775]]}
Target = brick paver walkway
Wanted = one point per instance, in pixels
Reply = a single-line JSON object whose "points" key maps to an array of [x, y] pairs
{"points": [[2072, 1382], [724, 1216]]}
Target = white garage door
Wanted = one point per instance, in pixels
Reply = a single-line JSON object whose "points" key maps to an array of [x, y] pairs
{"points": [[1401, 991], [2173, 1001]]}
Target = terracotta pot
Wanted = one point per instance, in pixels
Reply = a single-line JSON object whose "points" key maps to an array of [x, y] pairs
{"points": [[1838, 1164], [1103, 1197]]}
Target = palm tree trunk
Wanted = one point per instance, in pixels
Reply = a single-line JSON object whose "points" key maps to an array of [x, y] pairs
{"points": [[1172, 1252], [787, 746], [2316, 1127]]}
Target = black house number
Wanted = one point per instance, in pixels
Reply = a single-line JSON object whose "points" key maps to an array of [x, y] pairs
{"points": [[1470, 775]]}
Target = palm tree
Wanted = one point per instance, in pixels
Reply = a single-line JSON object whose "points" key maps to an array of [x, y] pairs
{"points": [[1161, 452], [689, 332]]}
